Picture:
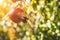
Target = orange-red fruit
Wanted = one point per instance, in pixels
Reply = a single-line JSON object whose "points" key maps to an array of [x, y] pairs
{"points": [[16, 15], [15, 0]]}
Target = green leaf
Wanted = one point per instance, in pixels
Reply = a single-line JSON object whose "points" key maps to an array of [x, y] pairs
{"points": [[34, 6]]}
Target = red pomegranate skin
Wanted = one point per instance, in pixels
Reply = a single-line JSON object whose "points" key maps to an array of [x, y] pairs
{"points": [[16, 15]]}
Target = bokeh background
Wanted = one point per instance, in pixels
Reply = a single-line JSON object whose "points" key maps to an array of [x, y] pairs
{"points": [[43, 20]]}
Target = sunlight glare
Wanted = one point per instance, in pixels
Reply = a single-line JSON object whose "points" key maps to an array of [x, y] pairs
{"points": [[1, 1]]}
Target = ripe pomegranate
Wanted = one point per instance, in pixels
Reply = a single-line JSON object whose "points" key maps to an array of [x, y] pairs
{"points": [[17, 15]]}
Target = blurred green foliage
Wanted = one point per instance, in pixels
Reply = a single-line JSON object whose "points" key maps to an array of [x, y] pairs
{"points": [[44, 21]]}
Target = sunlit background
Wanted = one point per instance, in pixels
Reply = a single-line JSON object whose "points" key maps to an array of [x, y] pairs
{"points": [[43, 20]]}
